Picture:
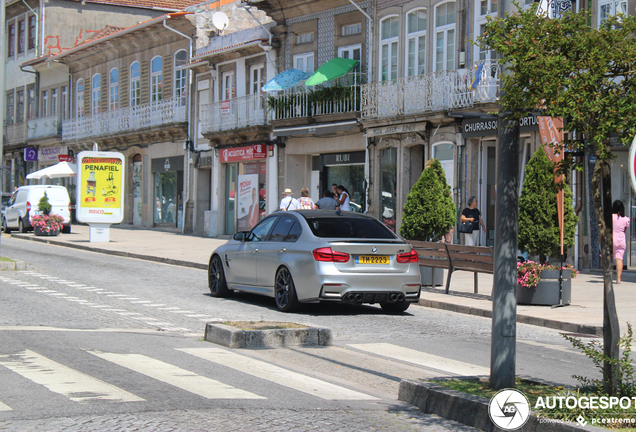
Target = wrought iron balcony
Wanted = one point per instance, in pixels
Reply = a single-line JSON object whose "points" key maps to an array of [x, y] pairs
{"points": [[335, 99], [437, 91], [129, 119], [15, 133], [44, 127], [236, 113]]}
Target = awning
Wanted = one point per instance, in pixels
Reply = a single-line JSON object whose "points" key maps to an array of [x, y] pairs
{"points": [[284, 80], [62, 169], [317, 129], [334, 68]]}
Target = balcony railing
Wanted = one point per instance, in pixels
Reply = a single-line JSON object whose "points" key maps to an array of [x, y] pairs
{"points": [[236, 113], [16, 133], [437, 91], [129, 119], [337, 97], [44, 127]]}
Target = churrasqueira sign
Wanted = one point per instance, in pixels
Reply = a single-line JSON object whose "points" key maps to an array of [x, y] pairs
{"points": [[100, 191]]}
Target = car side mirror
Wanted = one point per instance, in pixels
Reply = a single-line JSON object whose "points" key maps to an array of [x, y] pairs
{"points": [[240, 236]]}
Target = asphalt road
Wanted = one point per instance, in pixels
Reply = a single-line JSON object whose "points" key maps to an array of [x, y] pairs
{"points": [[96, 342]]}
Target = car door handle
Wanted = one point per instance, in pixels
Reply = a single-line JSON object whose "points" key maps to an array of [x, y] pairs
{"points": [[255, 250], [281, 250]]}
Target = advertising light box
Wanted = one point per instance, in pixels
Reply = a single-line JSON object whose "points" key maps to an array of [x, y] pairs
{"points": [[100, 187]]}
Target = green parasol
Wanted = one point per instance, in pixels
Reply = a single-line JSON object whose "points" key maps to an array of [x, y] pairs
{"points": [[334, 68]]}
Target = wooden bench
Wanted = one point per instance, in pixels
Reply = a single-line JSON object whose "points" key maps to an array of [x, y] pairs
{"points": [[477, 259]]}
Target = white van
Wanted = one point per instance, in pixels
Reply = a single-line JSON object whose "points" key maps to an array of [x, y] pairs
{"points": [[23, 205]]}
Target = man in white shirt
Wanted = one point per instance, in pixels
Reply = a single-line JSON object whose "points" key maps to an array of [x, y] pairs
{"points": [[288, 202]]}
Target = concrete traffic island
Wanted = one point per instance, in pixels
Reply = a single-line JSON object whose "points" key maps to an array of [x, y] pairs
{"points": [[265, 334], [12, 265], [471, 410]]}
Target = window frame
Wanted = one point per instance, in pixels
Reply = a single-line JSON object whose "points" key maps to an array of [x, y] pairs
{"points": [[22, 42], [180, 82], [11, 39], [19, 107], [614, 5], [352, 25], [415, 35], [113, 90], [80, 86], [45, 103], [32, 32], [96, 94], [445, 29], [134, 85], [480, 20], [391, 43], [304, 57], [255, 85], [10, 107], [156, 80], [31, 103], [64, 107], [228, 93], [54, 101]]}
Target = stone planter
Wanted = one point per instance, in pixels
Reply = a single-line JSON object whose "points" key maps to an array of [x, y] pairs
{"points": [[427, 273], [546, 293], [38, 232]]}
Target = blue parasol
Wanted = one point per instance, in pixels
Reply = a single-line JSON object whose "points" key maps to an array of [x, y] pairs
{"points": [[284, 80]]}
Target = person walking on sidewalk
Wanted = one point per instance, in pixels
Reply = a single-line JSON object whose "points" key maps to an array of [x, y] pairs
{"points": [[304, 202], [288, 202], [619, 226], [472, 214]]}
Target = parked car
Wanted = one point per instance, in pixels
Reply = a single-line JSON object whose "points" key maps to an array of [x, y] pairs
{"points": [[23, 205], [6, 197], [310, 256]]}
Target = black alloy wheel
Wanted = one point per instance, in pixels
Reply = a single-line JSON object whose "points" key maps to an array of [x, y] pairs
{"points": [[285, 291], [216, 278]]}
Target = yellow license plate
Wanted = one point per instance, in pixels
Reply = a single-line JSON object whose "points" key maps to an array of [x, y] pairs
{"points": [[372, 259]]}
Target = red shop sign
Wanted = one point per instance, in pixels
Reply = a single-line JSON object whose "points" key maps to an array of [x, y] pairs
{"points": [[259, 151], [64, 158], [241, 154]]}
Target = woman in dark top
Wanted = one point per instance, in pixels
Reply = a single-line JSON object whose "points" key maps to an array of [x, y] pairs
{"points": [[472, 214]]}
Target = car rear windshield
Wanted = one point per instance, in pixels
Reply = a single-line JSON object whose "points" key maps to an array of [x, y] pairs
{"points": [[342, 227]]}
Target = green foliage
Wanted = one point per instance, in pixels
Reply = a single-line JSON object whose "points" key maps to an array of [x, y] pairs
{"points": [[44, 205], [623, 365], [284, 105], [538, 216], [570, 70], [429, 212]]}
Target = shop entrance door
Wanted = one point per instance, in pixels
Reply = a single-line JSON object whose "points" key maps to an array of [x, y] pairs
{"points": [[230, 198], [352, 178], [167, 198]]}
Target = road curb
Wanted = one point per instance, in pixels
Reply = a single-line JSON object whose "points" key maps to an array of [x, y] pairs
{"points": [[524, 319], [233, 337], [54, 242], [469, 409], [12, 265]]}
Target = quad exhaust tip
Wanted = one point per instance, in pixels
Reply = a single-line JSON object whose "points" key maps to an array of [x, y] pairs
{"points": [[357, 297]]}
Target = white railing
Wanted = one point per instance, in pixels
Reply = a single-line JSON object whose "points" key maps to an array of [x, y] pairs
{"points": [[323, 101], [16, 133], [44, 127], [437, 91], [236, 113], [166, 111]]}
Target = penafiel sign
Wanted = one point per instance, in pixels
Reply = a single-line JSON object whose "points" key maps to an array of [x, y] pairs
{"points": [[100, 191]]}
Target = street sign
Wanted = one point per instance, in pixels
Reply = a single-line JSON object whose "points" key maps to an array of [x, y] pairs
{"points": [[632, 163], [30, 154]]}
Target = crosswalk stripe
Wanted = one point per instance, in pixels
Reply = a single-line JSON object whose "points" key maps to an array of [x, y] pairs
{"points": [[75, 385], [4, 407], [269, 372], [176, 376], [421, 358]]}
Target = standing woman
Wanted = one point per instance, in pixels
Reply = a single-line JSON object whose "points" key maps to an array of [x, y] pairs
{"points": [[343, 198], [619, 226], [472, 214]]}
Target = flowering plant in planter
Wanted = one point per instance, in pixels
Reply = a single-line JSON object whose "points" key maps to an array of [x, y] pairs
{"points": [[47, 223], [529, 272]]}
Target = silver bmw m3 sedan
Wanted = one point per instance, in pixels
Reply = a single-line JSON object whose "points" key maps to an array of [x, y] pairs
{"points": [[310, 256]]}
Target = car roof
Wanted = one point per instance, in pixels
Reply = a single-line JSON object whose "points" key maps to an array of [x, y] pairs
{"points": [[317, 214]]}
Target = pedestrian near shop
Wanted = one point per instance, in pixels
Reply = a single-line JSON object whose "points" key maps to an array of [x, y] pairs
{"points": [[473, 215], [619, 226], [327, 202], [304, 202], [343, 198], [288, 202]]}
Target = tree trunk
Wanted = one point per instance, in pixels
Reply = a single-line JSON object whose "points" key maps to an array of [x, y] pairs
{"points": [[602, 195]]}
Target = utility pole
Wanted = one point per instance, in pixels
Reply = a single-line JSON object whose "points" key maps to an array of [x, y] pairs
{"points": [[504, 300], [3, 56]]}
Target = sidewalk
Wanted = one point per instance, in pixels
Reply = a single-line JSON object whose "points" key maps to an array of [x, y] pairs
{"points": [[584, 315]]}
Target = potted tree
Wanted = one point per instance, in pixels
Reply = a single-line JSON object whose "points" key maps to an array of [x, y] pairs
{"points": [[45, 223], [539, 235], [429, 212]]}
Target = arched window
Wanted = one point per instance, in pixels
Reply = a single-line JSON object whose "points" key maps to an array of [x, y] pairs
{"points": [[134, 85], [113, 89], [156, 79], [96, 93], [416, 42], [180, 82], [389, 32], [79, 98], [445, 36], [486, 8]]}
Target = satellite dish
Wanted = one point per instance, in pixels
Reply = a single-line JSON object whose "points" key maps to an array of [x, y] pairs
{"points": [[220, 20]]}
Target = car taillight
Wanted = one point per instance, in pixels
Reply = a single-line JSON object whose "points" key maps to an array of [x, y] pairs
{"points": [[327, 255], [408, 257], [28, 206]]}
